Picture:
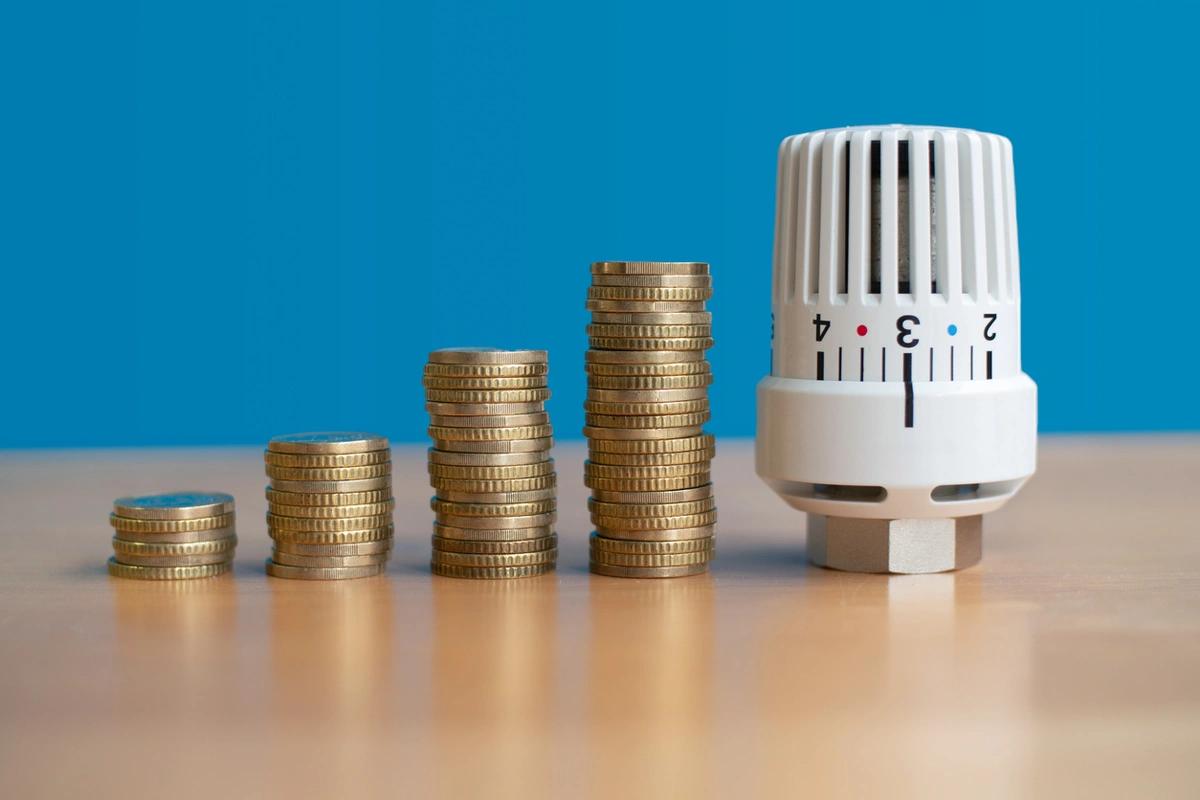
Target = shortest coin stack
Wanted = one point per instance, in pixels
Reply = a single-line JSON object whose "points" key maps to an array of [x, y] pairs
{"points": [[174, 536], [329, 505], [490, 463]]}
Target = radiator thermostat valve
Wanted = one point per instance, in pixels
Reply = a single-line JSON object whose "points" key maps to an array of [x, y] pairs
{"points": [[896, 412]]}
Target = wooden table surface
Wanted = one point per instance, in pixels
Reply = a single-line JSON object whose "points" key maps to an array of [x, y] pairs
{"points": [[1067, 663]]}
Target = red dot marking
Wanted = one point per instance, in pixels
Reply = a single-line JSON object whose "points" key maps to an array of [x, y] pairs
{"points": [[862, 330]]}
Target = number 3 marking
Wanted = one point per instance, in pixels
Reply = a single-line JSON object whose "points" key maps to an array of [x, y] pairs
{"points": [[904, 325]]}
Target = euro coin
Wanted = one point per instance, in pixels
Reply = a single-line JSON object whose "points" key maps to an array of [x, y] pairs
{"points": [[681, 343], [174, 505], [675, 281], [327, 442], [701, 506], [650, 268], [497, 497], [631, 524], [490, 573], [674, 496], [442, 433], [494, 421], [330, 473], [657, 535], [441, 506], [654, 421], [496, 523], [326, 460], [641, 434], [653, 294], [333, 537], [485, 459], [493, 534], [641, 357], [329, 499], [493, 560], [506, 446], [486, 355], [649, 382], [323, 573], [355, 549], [501, 472], [170, 525], [283, 558], [601, 544], [650, 559], [487, 370], [332, 512], [333, 487], [278, 523], [648, 459], [119, 570], [484, 409], [518, 546], [644, 306], [614, 571], [645, 446], [220, 547]]}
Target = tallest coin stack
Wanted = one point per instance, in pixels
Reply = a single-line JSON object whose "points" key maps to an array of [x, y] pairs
{"points": [[648, 458]]}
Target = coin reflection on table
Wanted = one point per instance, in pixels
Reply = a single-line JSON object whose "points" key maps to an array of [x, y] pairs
{"points": [[495, 677], [650, 679]]}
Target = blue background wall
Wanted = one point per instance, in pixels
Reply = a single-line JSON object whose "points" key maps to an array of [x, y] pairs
{"points": [[223, 220]]}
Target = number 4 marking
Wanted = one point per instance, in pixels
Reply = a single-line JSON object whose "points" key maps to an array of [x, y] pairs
{"points": [[822, 327]]}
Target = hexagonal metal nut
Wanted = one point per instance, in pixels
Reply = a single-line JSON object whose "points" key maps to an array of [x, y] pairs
{"points": [[905, 546]]}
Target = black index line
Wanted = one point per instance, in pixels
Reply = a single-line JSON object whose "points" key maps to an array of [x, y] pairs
{"points": [[989, 365], [883, 365], [821, 365], [931, 363], [972, 362], [908, 391], [951, 362], [839, 363], [862, 363]]}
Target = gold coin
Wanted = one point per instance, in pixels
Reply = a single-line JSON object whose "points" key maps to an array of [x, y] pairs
{"points": [[496, 523], [505, 446], [126, 547], [496, 497], [643, 421], [664, 370], [491, 535], [680, 445], [475, 485], [594, 433], [489, 383], [617, 559], [599, 395], [487, 370], [324, 573], [493, 421], [606, 523], [653, 471], [638, 408], [329, 473], [648, 382], [354, 549], [332, 512], [644, 307], [620, 331], [487, 396], [486, 355], [634, 318], [172, 561], [492, 560], [329, 499], [119, 570], [441, 506], [489, 434], [284, 558], [170, 525], [651, 459], [654, 294], [494, 548], [327, 442], [483, 409], [177, 537], [650, 268], [492, 473], [277, 523], [613, 343], [334, 487], [663, 535], [601, 544], [677, 281], [333, 537], [625, 510], [642, 357], [326, 460], [613, 571], [485, 459], [672, 496], [175, 505], [490, 573], [647, 484]]}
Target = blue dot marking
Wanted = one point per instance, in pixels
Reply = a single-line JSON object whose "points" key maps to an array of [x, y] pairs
{"points": [[953, 329]]}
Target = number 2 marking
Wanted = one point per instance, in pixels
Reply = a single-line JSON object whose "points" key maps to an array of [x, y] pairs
{"points": [[987, 329]]}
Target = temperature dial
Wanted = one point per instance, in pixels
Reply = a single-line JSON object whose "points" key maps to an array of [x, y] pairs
{"points": [[896, 412]]}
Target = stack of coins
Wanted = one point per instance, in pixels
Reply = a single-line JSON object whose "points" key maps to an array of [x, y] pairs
{"points": [[172, 536], [330, 505], [490, 464], [648, 458]]}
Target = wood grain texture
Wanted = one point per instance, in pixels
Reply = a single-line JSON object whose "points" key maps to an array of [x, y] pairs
{"points": [[1067, 663]]}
